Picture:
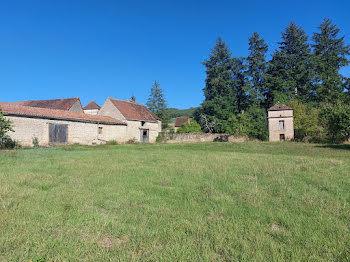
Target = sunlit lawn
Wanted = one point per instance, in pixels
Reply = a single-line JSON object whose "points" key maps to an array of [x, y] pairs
{"points": [[179, 202]]}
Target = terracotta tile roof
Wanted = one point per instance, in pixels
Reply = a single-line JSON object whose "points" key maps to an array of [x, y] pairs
{"points": [[134, 111], [279, 107], [91, 106], [181, 120], [59, 104], [26, 111]]}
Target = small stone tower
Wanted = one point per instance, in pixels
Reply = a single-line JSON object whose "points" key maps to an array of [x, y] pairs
{"points": [[281, 126]]}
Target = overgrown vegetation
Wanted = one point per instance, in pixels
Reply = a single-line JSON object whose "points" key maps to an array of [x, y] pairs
{"points": [[5, 141], [190, 127], [306, 75], [176, 202]]}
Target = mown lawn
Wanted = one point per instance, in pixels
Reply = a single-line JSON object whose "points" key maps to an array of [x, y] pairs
{"points": [[179, 202]]}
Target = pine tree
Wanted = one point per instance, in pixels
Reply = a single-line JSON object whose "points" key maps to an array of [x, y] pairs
{"points": [[329, 56], [218, 106], [157, 103], [225, 89], [290, 74], [218, 66], [239, 85], [256, 67]]}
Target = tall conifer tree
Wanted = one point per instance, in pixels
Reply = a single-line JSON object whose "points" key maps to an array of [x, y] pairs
{"points": [[290, 74], [330, 54], [156, 101], [256, 67], [224, 89]]}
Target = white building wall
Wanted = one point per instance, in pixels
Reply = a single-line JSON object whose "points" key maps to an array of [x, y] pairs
{"points": [[91, 111]]}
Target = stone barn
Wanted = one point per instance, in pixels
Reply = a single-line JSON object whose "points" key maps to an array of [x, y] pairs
{"points": [[142, 124], [51, 126], [281, 125], [92, 108], [67, 104], [180, 121]]}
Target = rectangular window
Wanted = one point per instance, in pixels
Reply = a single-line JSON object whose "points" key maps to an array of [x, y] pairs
{"points": [[100, 130], [281, 124]]}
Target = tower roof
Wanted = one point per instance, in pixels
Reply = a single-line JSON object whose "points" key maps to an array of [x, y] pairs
{"points": [[92, 105], [279, 107]]}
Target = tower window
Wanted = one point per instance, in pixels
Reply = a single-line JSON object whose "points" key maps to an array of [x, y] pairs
{"points": [[281, 124]]}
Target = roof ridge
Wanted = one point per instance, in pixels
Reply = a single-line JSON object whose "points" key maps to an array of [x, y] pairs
{"points": [[55, 113]]}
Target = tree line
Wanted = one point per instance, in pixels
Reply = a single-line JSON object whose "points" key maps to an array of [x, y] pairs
{"points": [[303, 72]]}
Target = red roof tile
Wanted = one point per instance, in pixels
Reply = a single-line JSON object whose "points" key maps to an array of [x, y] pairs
{"points": [[134, 111], [181, 120], [59, 104], [92, 105], [279, 107], [26, 111]]}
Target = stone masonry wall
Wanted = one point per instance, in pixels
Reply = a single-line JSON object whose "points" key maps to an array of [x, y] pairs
{"points": [[202, 137], [78, 132], [274, 128], [76, 107]]}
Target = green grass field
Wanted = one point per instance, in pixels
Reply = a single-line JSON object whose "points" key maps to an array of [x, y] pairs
{"points": [[176, 202]]}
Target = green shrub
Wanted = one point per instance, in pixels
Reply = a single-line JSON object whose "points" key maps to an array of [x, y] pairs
{"points": [[8, 143], [35, 141], [307, 125], [252, 123], [336, 120], [161, 138], [111, 143], [190, 127], [132, 141]]}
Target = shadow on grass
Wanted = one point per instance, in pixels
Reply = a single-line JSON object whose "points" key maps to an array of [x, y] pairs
{"points": [[338, 147]]}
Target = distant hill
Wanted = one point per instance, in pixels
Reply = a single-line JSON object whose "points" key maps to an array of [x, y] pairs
{"points": [[174, 112]]}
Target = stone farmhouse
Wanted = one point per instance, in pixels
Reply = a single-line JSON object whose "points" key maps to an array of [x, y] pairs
{"points": [[281, 125], [142, 124], [63, 121]]}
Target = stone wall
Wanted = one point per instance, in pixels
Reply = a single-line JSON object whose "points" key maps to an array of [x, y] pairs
{"points": [[134, 130], [202, 137], [78, 132], [76, 107]]}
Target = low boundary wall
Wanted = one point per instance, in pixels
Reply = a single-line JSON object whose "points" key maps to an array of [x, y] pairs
{"points": [[200, 137]]}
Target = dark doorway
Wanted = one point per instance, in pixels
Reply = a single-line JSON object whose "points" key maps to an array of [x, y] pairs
{"points": [[58, 134], [144, 135], [282, 137]]}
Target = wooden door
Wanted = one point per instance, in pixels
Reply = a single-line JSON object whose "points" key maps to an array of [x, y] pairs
{"points": [[144, 135], [58, 134]]}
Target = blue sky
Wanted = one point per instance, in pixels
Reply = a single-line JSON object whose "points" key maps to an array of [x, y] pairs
{"points": [[95, 49]]}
